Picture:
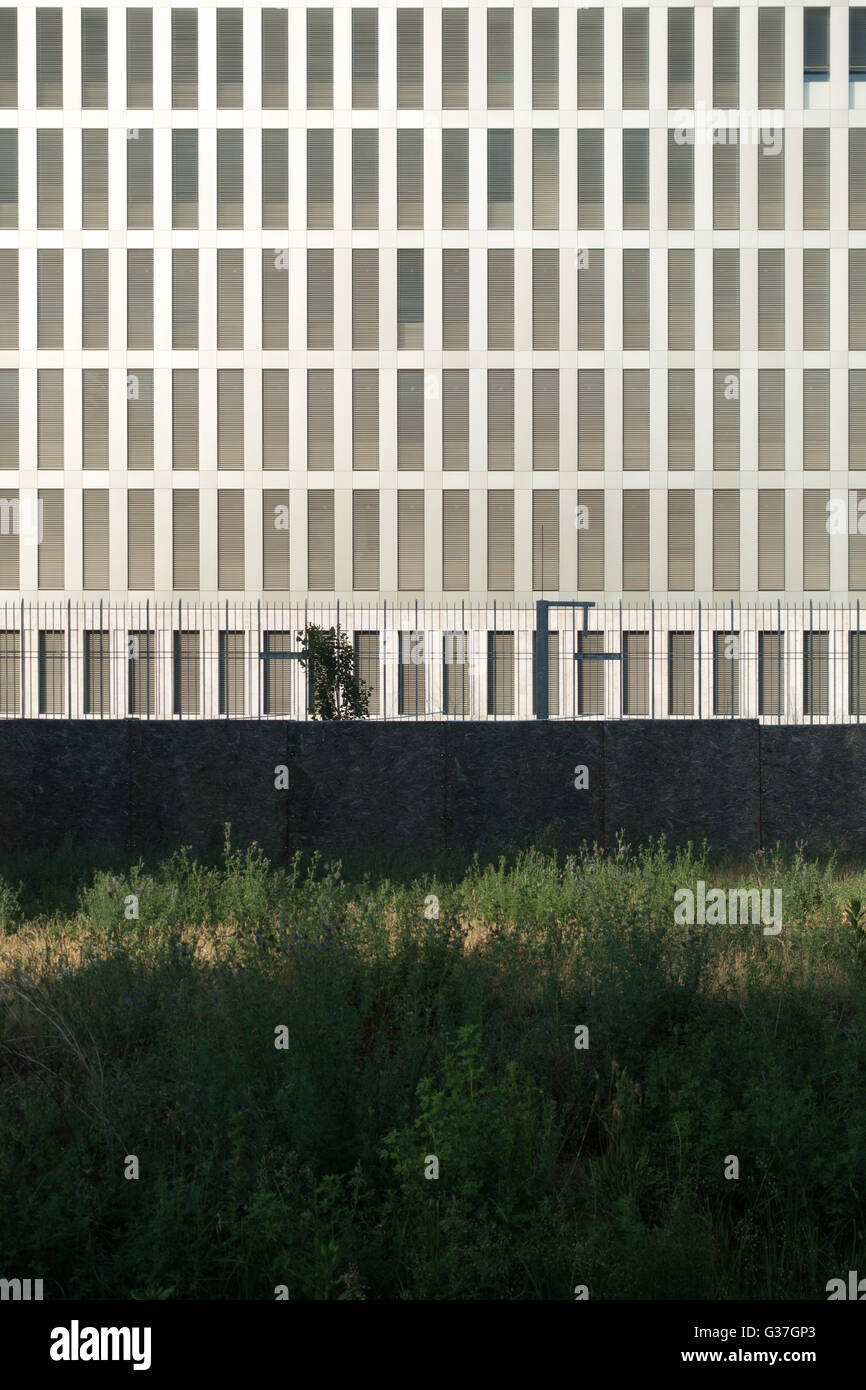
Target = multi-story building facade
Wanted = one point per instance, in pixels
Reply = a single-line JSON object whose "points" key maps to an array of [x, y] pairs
{"points": [[440, 302]]}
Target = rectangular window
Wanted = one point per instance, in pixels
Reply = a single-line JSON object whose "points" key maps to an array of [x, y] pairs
{"points": [[726, 539], [771, 417], [635, 299], [816, 674], [856, 417], [411, 686], [185, 538], [410, 539], [455, 300], [771, 187], [140, 532], [8, 179], [500, 299], [184, 178], [590, 59], [52, 676], [410, 58], [139, 181], [857, 178], [857, 673], [816, 42], [681, 299], [139, 58], [368, 669], [635, 539], [500, 540], [94, 59], [365, 418], [10, 671], [726, 419], [455, 540], [545, 59], [635, 59], [590, 180], [365, 540], [94, 179], [277, 674], [456, 679], [365, 300], [410, 180], [230, 539], [545, 179], [816, 417], [635, 179], [410, 299], [500, 179], [94, 417], [500, 419], [50, 564], [681, 418], [500, 59], [8, 64], [184, 59], [816, 540], [635, 418], [275, 59], [49, 417], [635, 674], [545, 419], [8, 425], [94, 298], [681, 540], [681, 183], [49, 298], [410, 419], [320, 300], [95, 538], [681, 58], [320, 179], [726, 183], [726, 300], [500, 673], [49, 56], [771, 57], [139, 299], [726, 57], [771, 675], [184, 299], [186, 673], [816, 299], [320, 539], [230, 179], [49, 178], [856, 299], [455, 59], [590, 301], [590, 674], [230, 418], [320, 420], [184, 426], [275, 544], [681, 674], [545, 540], [545, 300], [275, 178], [771, 299], [139, 419], [275, 417], [365, 59], [590, 540], [455, 177], [726, 674], [230, 58], [141, 686], [275, 302], [455, 420], [771, 539], [816, 178], [590, 417], [365, 180]]}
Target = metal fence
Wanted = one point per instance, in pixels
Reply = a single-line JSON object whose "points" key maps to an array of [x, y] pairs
{"points": [[781, 663]]}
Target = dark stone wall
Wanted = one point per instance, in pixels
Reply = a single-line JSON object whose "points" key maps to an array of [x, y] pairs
{"points": [[429, 786]]}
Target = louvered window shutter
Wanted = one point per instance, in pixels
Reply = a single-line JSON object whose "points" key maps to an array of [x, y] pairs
{"points": [[771, 57], [365, 180], [184, 418], [590, 301], [681, 58], [139, 181], [410, 419], [8, 299], [275, 178], [230, 418], [50, 564], [635, 539], [8, 59], [275, 59], [726, 57], [681, 646], [455, 300], [816, 299], [184, 179], [856, 542], [8, 179], [545, 59], [94, 59], [275, 302], [771, 538], [410, 58], [635, 59], [95, 538], [635, 179], [590, 417], [726, 300], [681, 184], [500, 673], [635, 673], [455, 540], [49, 179], [545, 418], [139, 418], [365, 540], [94, 179], [635, 299], [320, 179], [9, 420], [500, 419], [856, 298], [139, 58], [275, 417], [816, 177], [320, 539], [230, 297], [49, 298], [185, 538], [184, 276], [410, 539], [681, 299], [857, 179], [726, 539], [857, 417], [94, 417], [411, 687], [365, 418], [275, 540], [52, 685], [410, 179], [230, 539], [500, 299], [455, 420], [96, 678], [681, 418], [320, 300], [230, 179], [94, 298], [500, 540], [367, 668], [500, 179], [771, 417], [816, 539], [49, 56], [320, 421], [410, 299], [771, 298], [365, 59], [816, 672], [726, 419], [500, 59], [455, 177], [49, 417], [545, 300], [545, 179], [186, 657], [590, 59], [816, 417], [681, 540], [590, 541], [590, 179], [140, 534], [771, 187], [545, 540], [230, 58], [455, 59], [184, 59], [726, 184], [320, 60], [230, 672], [635, 418], [365, 300]]}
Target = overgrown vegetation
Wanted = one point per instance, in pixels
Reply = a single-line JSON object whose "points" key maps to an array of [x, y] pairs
{"points": [[328, 658], [411, 1035]]}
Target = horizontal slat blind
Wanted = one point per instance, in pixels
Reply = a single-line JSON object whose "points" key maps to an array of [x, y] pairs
{"points": [[455, 59], [856, 298], [545, 540], [500, 673], [275, 417], [681, 418], [230, 297], [635, 58], [410, 539], [455, 299], [500, 179], [590, 540], [545, 178], [681, 299], [230, 58], [590, 301], [230, 179], [94, 59], [184, 299], [94, 298], [856, 541], [681, 666], [681, 540], [590, 417], [8, 299], [726, 539], [139, 58], [49, 417], [726, 300], [545, 300], [365, 418], [635, 539], [49, 56], [320, 179], [500, 299], [365, 300], [185, 538], [816, 417], [8, 58], [8, 420], [635, 298], [635, 418], [771, 57], [635, 179], [275, 302], [184, 179], [186, 659], [816, 539], [410, 180], [230, 538], [49, 179], [275, 59], [455, 177], [411, 682], [816, 177], [455, 540], [230, 418], [771, 417], [94, 417], [365, 539], [410, 58], [275, 178], [590, 59], [49, 298], [320, 300], [771, 538], [95, 538], [275, 539], [681, 58], [455, 420], [500, 419], [857, 417], [139, 180], [816, 299], [771, 298], [365, 59], [365, 180], [184, 59], [8, 179], [139, 418], [590, 179], [681, 184], [545, 418], [320, 539], [545, 59], [771, 186], [320, 60], [410, 298], [367, 668], [726, 419], [500, 59], [94, 179], [857, 178], [500, 540], [726, 184], [50, 564], [410, 419], [726, 57], [140, 538], [635, 673], [320, 420], [184, 386]]}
